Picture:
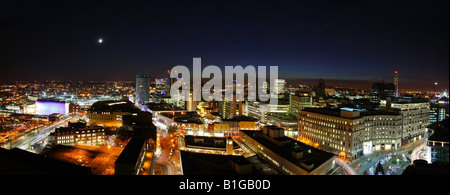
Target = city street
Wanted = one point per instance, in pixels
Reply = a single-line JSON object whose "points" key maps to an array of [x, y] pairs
{"points": [[394, 162], [39, 136], [167, 155]]}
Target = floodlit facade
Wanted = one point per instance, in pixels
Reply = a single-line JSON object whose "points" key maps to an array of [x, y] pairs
{"points": [[79, 133], [350, 133], [415, 116]]}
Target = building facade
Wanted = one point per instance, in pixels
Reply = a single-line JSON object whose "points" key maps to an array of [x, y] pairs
{"points": [[142, 90], [415, 116], [298, 101], [439, 110], [350, 133], [79, 133]]}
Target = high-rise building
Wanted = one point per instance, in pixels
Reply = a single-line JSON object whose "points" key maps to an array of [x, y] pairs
{"points": [[397, 94], [299, 101], [142, 90], [229, 109], [320, 90], [439, 110], [161, 86]]}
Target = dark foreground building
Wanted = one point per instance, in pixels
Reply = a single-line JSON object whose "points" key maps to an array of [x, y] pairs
{"points": [[21, 162]]}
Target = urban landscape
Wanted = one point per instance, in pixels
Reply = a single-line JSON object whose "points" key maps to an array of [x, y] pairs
{"points": [[93, 113]]}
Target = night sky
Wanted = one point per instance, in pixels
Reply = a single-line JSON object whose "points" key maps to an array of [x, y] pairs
{"points": [[352, 43]]}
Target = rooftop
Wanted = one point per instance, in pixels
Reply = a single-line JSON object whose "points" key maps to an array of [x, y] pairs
{"points": [[337, 112], [241, 118], [440, 130], [207, 142], [211, 164], [113, 106], [311, 155]]}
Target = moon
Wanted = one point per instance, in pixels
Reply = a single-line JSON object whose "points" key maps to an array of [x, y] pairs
{"points": [[100, 40]]}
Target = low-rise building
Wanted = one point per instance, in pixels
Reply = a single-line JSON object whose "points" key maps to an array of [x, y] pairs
{"points": [[79, 133]]}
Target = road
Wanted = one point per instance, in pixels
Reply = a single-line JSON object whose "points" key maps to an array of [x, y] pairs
{"points": [[168, 156], [419, 153], [345, 166], [25, 141], [371, 160]]}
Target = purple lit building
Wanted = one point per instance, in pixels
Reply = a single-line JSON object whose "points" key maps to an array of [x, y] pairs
{"points": [[47, 107]]}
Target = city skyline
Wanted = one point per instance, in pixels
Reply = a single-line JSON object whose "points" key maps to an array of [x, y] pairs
{"points": [[224, 88], [351, 44]]}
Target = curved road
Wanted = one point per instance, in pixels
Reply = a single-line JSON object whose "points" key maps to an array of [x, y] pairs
{"points": [[345, 166]]}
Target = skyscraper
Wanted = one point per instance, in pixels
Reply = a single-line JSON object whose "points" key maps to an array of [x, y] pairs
{"points": [[142, 90]]}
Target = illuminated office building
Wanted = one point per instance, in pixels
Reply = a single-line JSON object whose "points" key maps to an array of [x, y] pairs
{"points": [[161, 86], [415, 114], [299, 101], [79, 133], [439, 110], [350, 133], [142, 90]]}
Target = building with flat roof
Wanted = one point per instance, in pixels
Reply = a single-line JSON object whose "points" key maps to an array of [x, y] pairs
{"points": [[437, 144], [415, 116], [299, 100], [110, 113], [208, 143], [142, 90], [79, 133], [131, 159], [350, 133], [439, 110], [241, 123], [194, 163], [287, 155]]}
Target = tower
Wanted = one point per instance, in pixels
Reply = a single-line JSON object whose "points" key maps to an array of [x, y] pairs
{"points": [[142, 90], [396, 83]]}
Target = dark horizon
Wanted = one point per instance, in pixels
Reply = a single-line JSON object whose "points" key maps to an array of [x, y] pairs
{"points": [[348, 43]]}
